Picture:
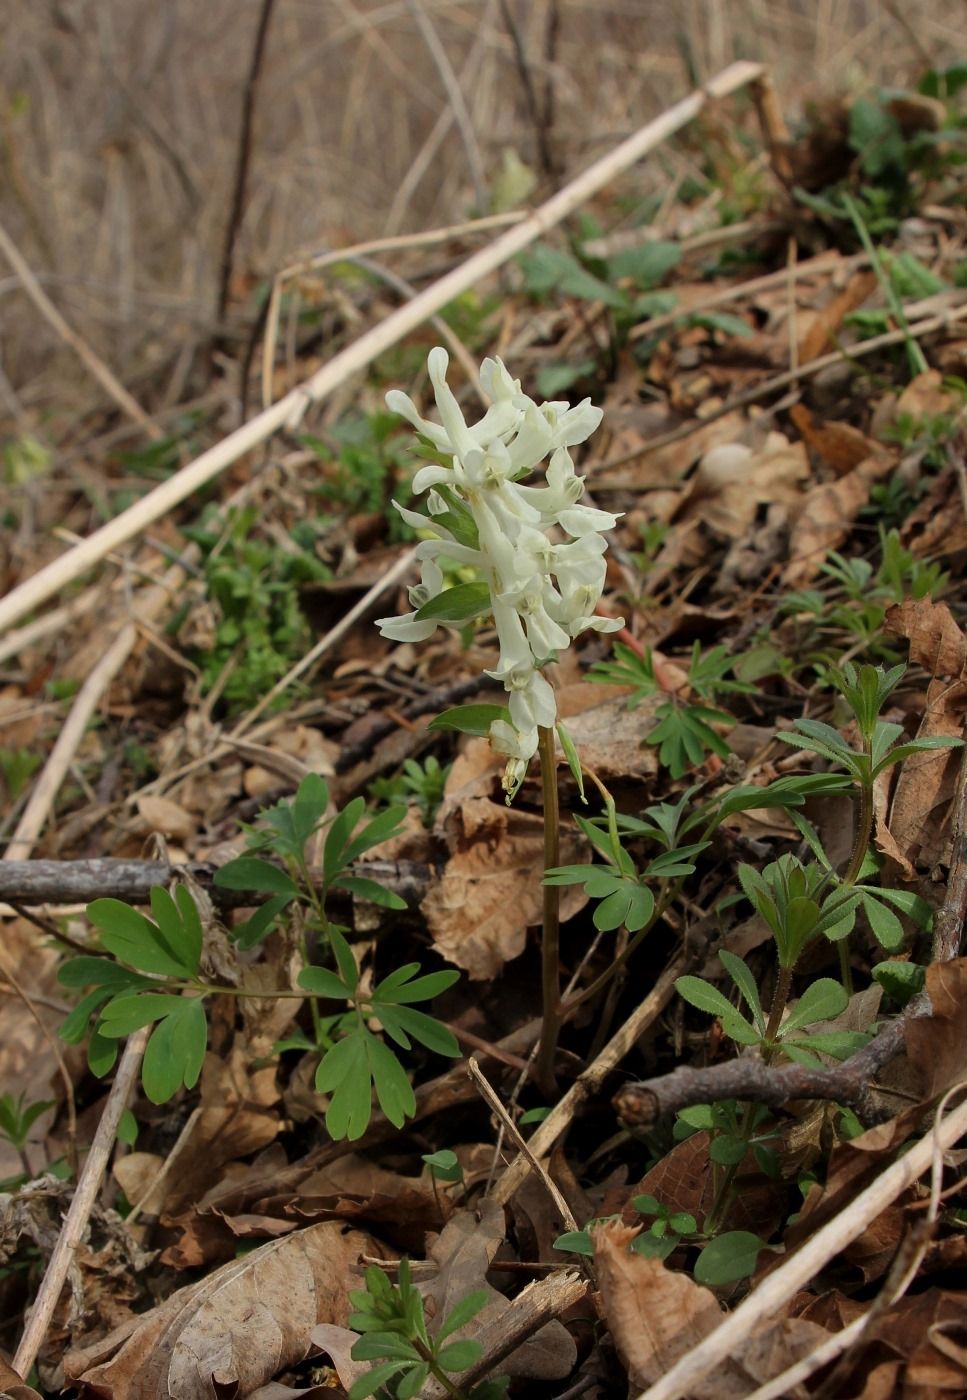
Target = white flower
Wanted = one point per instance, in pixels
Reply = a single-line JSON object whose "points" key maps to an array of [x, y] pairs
{"points": [[543, 594]]}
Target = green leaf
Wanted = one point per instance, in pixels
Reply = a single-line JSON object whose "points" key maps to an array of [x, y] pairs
{"points": [[183, 939], [727, 1149], [470, 719], [176, 1051], [133, 938], [129, 1013], [251, 931], [745, 982], [457, 604], [99, 972], [839, 1044], [370, 890], [343, 1072], [381, 828], [575, 1242], [74, 1026], [646, 265], [728, 1258], [457, 1356], [425, 988], [573, 761], [250, 873], [552, 270], [338, 835], [372, 1380], [887, 929], [411, 1385], [393, 1090], [705, 997], [463, 1312], [900, 980], [400, 1020], [444, 1165], [823, 1000], [323, 983], [101, 1054], [902, 751], [345, 960]]}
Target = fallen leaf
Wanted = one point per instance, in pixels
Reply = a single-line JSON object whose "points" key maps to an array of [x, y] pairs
{"points": [[656, 1315], [490, 889], [243, 1323], [935, 1044], [13, 1387], [937, 642], [840, 445], [825, 323], [463, 1254], [826, 516], [161, 814], [926, 781]]}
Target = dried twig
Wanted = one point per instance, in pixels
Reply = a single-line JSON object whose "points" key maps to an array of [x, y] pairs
{"points": [[75, 1221], [243, 159], [750, 1078], [31, 882], [290, 409], [62, 754], [455, 97], [535, 1305]]}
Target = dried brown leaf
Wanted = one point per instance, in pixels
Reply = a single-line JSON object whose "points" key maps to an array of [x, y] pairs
{"points": [[656, 1315], [243, 1323], [463, 1254], [490, 890], [840, 445], [161, 814], [937, 642], [826, 517], [936, 1045]]}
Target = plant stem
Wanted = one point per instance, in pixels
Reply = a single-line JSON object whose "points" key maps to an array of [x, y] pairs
{"points": [[436, 1370], [779, 1003], [551, 937], [861, 841]]}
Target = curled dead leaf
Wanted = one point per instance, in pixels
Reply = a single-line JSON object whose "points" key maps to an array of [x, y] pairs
{"points": [[243, 1323]]}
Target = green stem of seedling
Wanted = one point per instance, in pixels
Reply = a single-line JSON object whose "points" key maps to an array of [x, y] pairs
{"points": [[319, 908], [436, 1371], [861, 841], [551, 938], [783, 987], [724, 1193]]}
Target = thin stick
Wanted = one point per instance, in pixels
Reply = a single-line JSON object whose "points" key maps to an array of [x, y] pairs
{"points": [[513, 1132], [356, 357], [455, 97], [62, 754], [315, 262], [551, 930], [798, 1270], [111, 385], [243, 158], [78, 1214], [560, 1116]]}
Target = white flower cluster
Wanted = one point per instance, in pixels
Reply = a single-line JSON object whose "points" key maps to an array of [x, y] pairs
{"points": [[543, 589]]}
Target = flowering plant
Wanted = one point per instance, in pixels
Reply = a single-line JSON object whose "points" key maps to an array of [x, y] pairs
{"points": [[538, 551]]}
